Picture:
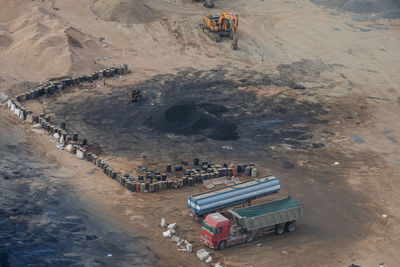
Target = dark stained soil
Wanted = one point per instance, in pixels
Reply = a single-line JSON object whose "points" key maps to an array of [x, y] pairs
{"points": [[44, 223], [193, 112], [382, 8]]}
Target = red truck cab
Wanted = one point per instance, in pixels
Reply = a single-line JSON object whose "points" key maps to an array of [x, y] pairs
{"points": [[215, 231]]}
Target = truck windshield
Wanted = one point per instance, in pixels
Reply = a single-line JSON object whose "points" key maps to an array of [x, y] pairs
{"points": [[208, 228]]}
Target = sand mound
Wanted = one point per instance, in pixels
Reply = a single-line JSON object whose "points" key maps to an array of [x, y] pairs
{"points": [[83, 49], [8, 10], [38, 44], [381, 8], [127, 11]]}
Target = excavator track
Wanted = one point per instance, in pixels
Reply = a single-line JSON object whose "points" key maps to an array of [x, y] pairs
{"points": [[213, 36]]}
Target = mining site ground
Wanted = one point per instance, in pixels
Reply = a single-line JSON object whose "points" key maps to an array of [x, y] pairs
{"points": [[309, 86]]}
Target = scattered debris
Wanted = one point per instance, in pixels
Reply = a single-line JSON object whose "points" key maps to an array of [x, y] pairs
{"points": [[92, 171], [176, 238], [109, 255], [163, 223], [259, 245], [208, 184], [60, 146], [378, 98], [358, 139], [80, 154], [104, 45], [336, 163], [227, 147], [38, 131], [167, 234], [68, 148], [189, 246], [209, 259], [218, 264], [384, 215], [172, 226], [202, 254], [392, 138]]}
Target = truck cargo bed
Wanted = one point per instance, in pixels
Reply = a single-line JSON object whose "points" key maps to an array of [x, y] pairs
{"points": [[268, 214]]}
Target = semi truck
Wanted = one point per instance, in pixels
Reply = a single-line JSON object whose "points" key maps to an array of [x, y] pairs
{"points": [[211, 201], [219, 232]]}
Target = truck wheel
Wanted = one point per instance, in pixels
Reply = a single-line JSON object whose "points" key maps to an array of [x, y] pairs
{"points": [[249, 237], [291, 226], [279, 229], [222, 245]]}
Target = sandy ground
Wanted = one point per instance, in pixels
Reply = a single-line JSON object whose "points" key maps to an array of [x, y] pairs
{"points": [[349, 67]]}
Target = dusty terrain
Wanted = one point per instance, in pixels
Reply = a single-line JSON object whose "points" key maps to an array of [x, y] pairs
{"points": [[309, 86]]}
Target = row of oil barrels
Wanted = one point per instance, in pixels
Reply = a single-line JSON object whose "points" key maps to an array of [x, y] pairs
{"points": [[45, 122], [210, 170], [153, 186], [52, 87]]}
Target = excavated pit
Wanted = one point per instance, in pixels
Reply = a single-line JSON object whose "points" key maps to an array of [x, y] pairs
{"points": [[190, 119], [214, 113]]}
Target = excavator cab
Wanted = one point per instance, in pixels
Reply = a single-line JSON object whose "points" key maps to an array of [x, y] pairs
{"points": [[224, 24]]}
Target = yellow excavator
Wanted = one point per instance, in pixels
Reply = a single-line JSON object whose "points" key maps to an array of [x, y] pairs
{"points": [[220, 25]]}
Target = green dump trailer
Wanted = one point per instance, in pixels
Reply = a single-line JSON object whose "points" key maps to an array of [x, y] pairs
{"points": [[276, 216]]}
